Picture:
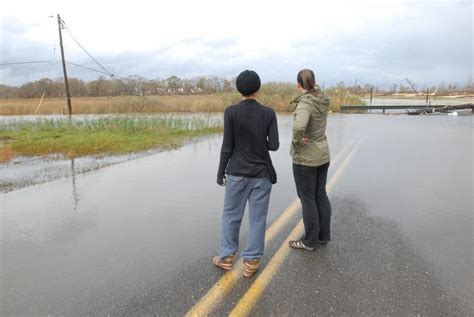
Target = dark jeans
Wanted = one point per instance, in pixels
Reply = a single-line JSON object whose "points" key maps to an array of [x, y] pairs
{"points": [[311, 188]]}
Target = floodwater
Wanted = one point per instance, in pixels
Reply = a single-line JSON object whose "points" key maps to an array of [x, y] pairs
{"points": [[27, 171], [92, 243], [24, 171]]}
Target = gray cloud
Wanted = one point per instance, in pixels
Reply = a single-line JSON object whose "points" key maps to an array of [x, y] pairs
{"points": [[428, 45]]}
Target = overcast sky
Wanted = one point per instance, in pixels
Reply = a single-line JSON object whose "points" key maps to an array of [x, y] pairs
{"points": [[378, 42]]}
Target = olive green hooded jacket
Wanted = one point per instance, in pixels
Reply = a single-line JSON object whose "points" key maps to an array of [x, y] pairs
{"points": [[310, 119]]}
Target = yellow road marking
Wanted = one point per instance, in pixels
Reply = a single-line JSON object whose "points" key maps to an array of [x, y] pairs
{"points": [[253, 294], [225, 284]]}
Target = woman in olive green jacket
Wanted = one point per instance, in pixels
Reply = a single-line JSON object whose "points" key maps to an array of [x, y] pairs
{"points": [[310, 153]]}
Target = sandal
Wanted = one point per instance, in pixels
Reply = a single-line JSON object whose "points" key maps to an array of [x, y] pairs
{"points": [[225, 264], [298, 244], [250, 267]]}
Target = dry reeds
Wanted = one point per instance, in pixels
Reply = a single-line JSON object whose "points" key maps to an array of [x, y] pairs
{"points": [[121, 104], [277, 99]]}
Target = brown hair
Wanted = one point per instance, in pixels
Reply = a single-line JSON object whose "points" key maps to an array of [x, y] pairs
{"points": [[306, 80]]}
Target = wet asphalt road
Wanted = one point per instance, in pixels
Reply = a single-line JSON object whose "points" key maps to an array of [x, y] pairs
{"points": [[136, 238]]}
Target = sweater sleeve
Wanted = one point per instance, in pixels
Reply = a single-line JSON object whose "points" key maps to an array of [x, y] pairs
{"points": [[227, 144], [273, 140]]}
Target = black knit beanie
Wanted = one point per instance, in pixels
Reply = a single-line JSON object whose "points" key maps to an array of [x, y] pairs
{"points": [[248, 82]]}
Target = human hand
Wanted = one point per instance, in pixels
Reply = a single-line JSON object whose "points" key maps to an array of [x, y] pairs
{"points": [[221, 180]]}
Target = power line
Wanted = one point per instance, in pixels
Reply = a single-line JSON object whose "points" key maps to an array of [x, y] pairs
{"points": [[105, 70], [52, 59], [21, 63], [54, 63], [91, 69]]}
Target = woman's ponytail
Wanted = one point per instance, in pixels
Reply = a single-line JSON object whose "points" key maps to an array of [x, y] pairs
{"points": [[306, 80]]}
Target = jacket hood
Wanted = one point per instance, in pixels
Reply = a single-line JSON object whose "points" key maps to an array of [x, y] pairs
{"points": [[319, 101]]}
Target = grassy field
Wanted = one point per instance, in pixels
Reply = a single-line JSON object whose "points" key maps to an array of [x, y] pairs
{"points": [[115, 135], [109, 135], [120, 104], [159, 104]]}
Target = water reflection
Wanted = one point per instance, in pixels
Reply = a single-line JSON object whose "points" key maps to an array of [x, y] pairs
{"points": [[75, 193], [23, 172]]}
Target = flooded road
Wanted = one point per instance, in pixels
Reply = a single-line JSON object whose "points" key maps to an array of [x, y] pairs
{"points": [[137, 237]]}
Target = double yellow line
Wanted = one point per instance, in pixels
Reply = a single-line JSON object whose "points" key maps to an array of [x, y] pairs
{"points": [[227, 282]]}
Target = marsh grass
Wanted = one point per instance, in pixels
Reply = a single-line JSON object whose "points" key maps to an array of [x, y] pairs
{"points": [[120, 104], [277, 96], [340, 97], [109, 135]]}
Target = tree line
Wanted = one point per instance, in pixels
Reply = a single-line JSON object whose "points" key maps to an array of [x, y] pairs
{"points": [[133, 85], [139, 86]]}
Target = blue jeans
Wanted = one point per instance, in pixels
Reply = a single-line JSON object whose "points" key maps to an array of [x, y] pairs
{"points": [[238, 190]]}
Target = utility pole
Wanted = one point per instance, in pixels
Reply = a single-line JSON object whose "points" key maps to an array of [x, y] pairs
{"points": [[66, 84], [411, 85]]}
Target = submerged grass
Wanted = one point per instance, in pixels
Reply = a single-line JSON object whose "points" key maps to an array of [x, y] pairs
{"points": [[109, 135]]}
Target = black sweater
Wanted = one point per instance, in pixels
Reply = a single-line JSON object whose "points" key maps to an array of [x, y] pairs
{"points": [[250, 131]]}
